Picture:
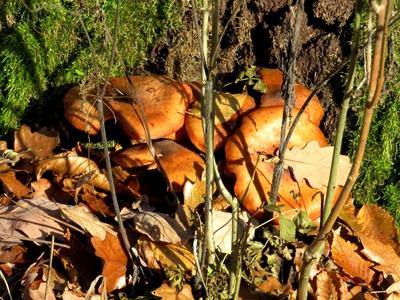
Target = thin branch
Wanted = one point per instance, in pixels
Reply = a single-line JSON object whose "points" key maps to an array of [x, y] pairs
{"points": [[288, 94], [374, 93], [48, 279], [39, 241], [349, 89]]}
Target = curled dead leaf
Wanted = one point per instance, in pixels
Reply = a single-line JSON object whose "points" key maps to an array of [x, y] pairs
{"points": [[167, 255], [87, 221], [160, 228], [73, 166]]}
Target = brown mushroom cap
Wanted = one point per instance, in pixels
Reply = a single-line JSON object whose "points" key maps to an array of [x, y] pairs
{"points": [[260, 133], [227, 110], [179, 163], [164, 103], [82, 113], [273, 79]]}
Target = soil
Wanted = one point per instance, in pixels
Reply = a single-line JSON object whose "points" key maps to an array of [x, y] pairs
{"points": [[258, 36]]}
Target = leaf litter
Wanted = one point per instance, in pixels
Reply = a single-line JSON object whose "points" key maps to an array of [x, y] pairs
{"points": [[361, 256]]}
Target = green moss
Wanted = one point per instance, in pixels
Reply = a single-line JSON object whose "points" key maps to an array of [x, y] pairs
{"points": [[43, 45], [379, 180]]}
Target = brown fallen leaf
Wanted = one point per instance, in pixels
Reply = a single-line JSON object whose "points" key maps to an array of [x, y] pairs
{"points": [[30, 218], [88, 221], [314, 164], [179, 163], [73, 166], [379, 237], [193, 196], [165, 292], [376, 223], [345, 255], [168, 255], [271, 285], [330, 286], [38, 145], [222, 229], [160, 228], [12, 257], [115, 260], [12, 185]]}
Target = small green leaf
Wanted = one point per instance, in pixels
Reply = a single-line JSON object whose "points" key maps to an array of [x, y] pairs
{"points": [[259, 86], [251, 71], [303, 222], [287, 229]]}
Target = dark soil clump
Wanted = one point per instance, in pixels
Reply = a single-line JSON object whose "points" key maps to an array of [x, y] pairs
{"points": [[258, 36]]}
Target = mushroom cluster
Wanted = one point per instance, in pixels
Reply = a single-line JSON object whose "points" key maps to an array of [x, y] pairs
{"points": [[249, 132]]}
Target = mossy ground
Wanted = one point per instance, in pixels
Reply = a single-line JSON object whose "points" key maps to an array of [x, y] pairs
{"points": [[44, 48], [379, 180]]}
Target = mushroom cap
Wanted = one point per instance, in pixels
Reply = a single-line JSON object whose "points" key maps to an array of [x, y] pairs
{"points": [[273, 79], [82, 113], [228, 108], [179, 163], [258, 134], [164, 103]]}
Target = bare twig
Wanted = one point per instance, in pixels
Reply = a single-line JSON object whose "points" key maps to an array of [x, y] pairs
{"points": [[39, 241], [343, 114], [383, 11], [288, 94], [48, 279]]}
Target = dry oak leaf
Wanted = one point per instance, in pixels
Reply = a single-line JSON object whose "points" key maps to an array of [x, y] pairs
{"points": [[379, 237], [32, 218], [115, 260], [376, 223], [12, 185], [160, 228], [73, 166], [168, 255], [165, 292], [331, 286], [88, 221], [38, 145], [345, 255], [313, 163]]}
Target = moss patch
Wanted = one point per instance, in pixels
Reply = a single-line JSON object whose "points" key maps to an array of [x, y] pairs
{"points": [[379, 180], [44, 47]]}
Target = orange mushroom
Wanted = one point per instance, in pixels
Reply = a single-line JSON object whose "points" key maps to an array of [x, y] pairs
{"points": [[247, 154], [82, 113], [179, 163], [164, 103], [273, 79], [228, 108]]}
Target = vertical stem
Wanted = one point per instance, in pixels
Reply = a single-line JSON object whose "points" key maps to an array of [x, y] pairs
{"points": [[343, 114], [208, 131], [383, 11], [289, 98]]}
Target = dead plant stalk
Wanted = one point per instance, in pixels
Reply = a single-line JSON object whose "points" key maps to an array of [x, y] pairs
{"points": [[376, 81]]}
